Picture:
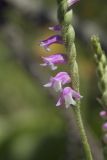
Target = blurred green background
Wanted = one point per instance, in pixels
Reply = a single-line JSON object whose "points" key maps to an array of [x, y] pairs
{"points": [[31, 127]]}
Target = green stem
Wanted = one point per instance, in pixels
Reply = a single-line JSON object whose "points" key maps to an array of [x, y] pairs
{"points": [[101, 68], [82, 133], [65, 19]]}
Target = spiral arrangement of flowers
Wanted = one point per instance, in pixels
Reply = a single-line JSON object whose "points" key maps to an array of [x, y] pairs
{"points": [[67, 95]]}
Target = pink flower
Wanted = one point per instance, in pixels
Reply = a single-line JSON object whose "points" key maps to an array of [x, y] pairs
{"points": [[60, 79], [55, 28], [53, 60], [51, 40], [103, 114], [104, 126], [71, 2], [68, 97]]}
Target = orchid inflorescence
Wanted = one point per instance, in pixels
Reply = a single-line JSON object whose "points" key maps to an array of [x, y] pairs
{"points": [[67, 95]]}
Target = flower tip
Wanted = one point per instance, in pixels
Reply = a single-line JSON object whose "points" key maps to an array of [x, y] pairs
{"points": [[47, 85], [41, 44], [54, 68], [44, 64], [48, 49], [74, 103], [55, 28], [58, 103], [50, 28]]}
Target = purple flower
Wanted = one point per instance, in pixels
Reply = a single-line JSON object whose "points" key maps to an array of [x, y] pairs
{"points": [[71, 2], [104, 126], [51, 40], [53, 60], [68, 97], [60, 79], [55, 28], [103, 114]]}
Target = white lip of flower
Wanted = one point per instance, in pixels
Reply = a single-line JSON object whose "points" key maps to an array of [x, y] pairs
{"points": [[42, 44], [69, 101], [59, 102], [51, 65], [57, 86]]}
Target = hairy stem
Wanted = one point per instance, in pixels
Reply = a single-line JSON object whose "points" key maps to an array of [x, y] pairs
{"points": [[65, 18], [82, 133]]}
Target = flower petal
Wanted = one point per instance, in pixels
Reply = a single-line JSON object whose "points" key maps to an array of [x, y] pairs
{"points": [[48, 84], [59, 102], [53, 67], [57, 85], [71, 2], [55, 28], [69, 100], [43, 64]]}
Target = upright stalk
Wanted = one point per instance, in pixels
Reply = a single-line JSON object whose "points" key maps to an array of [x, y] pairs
{"points": [[83, 134], [101, 63], [101, 68], [65, 15]]}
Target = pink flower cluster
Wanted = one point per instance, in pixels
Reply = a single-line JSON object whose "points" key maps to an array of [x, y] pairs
{"points": [[103, 115], [67, 96]]}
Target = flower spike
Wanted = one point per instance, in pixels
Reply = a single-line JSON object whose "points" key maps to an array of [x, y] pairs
{"points": [[60, 79], [51, 40]]}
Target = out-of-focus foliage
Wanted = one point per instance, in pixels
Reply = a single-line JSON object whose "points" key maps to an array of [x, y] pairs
{"points": [[29, 123], [93, 10]]}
